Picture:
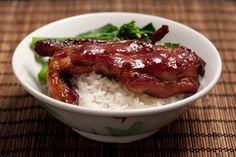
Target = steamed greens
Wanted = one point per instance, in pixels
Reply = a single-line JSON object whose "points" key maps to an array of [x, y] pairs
{"points": [[106, 32], [110, 32]]}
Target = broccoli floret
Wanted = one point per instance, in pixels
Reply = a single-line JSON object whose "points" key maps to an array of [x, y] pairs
{"points": [[131, 31]]}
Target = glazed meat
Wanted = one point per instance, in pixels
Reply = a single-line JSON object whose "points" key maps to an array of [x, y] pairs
{"points": [[142, 67]]}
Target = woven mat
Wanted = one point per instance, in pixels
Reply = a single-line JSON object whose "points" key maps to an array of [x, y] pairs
{"points": [[208, 128]]}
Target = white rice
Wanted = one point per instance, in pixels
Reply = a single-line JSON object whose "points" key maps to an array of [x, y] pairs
{"points": [[99, 92]]}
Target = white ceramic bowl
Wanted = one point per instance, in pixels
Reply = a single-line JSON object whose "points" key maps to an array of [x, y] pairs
{"points": [[114, 126]]}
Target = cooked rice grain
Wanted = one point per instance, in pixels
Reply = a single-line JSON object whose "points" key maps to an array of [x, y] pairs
{"points": [[100, 92]]}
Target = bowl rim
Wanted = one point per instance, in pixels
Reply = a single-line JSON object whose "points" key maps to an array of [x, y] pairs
{"points": [[105, 112]]}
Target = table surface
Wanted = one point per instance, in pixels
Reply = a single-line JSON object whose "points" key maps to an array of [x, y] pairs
{"points": [[207, 128]]}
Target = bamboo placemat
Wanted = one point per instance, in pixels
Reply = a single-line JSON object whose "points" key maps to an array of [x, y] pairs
{"points": [[208, 128]]}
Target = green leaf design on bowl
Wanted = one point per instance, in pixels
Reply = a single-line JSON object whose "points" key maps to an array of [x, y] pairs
{"points": [[134, 128]]}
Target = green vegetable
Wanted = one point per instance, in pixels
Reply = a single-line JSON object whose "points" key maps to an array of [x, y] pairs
{"points": [[105, 32], [171, 45], [149, 29], [168, 44], [39, 59], [131, 31], [110, 32], [42, 75], [99, 36]]}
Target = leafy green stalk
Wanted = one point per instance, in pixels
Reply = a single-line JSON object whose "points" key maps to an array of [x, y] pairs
{"points": [[168, 44], [39, 59], [105, 32], [99, 36], [171, 45], [42, 75]]}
